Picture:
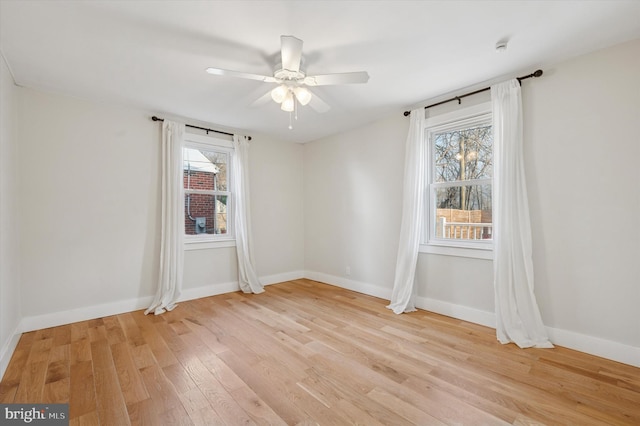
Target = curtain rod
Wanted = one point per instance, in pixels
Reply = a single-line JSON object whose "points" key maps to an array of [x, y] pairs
{"points": [[536, 73], [154, 118]]}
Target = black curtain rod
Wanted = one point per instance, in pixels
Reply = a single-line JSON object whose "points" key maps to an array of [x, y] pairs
{"points": [[154, 118], [536, 73]]}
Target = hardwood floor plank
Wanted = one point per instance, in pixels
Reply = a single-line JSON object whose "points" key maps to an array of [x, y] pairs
{"points": [[160, 389], [177, 416], [283, 401], [82, 395], [114, 331], [144, 413], [32, 383], [110, 403], [89, 419], [40, 348], [161, 351], [13, 375], [62, 335], [206, 336], [79, 331], [131, 330], [206, 417], [131, 383], [307, 353], [56, 392], [219, 398], [193, 400], [143, 356], [255, 407], [407, 411], [80, 350], [181, 381], [337, 386]]}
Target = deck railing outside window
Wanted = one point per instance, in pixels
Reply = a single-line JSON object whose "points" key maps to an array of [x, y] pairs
{"points": [[463, 230]]}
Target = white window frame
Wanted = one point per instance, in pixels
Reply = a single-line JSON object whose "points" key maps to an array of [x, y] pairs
{"points": [[480, 249], [209, 241]]}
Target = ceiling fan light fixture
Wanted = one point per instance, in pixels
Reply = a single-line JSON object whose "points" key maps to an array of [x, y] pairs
{"points": [[279, 93], [303, 95], [288, 103]]}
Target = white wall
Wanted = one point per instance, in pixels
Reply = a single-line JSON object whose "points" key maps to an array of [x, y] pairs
{"points": [[89, 203], [10, 314], [276, 178], [582, 151], [352, 205], [90, 210]]}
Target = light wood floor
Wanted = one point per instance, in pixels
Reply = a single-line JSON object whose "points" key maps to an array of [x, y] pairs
{"points": [[309, 353]]}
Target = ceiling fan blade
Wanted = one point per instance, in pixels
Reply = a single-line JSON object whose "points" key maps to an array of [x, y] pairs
{"points": [[339, 78], [291, 52], [238, 74], [318, 105], [262, 100]]}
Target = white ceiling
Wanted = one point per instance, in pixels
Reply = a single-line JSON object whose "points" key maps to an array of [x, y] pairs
{"points": [[152, 54]]}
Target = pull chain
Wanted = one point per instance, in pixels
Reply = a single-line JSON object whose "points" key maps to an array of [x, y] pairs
{"points": [[295, 113]]}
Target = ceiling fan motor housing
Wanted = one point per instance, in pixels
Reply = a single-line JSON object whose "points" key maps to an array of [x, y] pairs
{"points": [[289, 75]]}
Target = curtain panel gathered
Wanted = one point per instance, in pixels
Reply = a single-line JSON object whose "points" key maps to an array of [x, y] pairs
{"points": [[247, 277], [172, 232], [518, 318], [403, 295]]}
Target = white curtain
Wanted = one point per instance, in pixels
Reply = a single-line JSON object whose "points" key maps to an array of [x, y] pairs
{"points": [[247, 277], [172, 233], [402, 297], [518, 318]]}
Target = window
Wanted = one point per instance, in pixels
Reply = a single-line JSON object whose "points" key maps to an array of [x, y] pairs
{"points": [[459, 181], [207, 194]]}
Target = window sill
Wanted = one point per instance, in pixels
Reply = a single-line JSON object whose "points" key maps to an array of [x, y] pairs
{"points": [[205, 244], [475, 253]]}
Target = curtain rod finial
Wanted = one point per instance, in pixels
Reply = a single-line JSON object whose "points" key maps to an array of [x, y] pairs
{"points": [[406, 113]]}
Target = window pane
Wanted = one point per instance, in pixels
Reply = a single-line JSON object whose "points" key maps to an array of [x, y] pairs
{"points": [[463, 212], [463, 154], [205, 214], [205, 169]]}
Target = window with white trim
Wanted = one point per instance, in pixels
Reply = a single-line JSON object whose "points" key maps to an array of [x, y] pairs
{"points": [[459, 180], [207, 189]]}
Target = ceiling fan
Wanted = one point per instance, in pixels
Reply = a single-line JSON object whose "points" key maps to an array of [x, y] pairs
{"points": [[293, 81]]}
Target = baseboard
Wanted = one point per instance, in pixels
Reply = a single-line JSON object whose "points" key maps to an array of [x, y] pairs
{"points": [[54, 319], [608, 349], [6, 352], [614, 351], [208, 290], [280, 278], [357, 286], [460, 312]]}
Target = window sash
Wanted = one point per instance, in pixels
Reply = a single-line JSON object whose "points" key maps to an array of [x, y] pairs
{"points": [[472, 182], [206, 192], [475, 116], [208, 143]]}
